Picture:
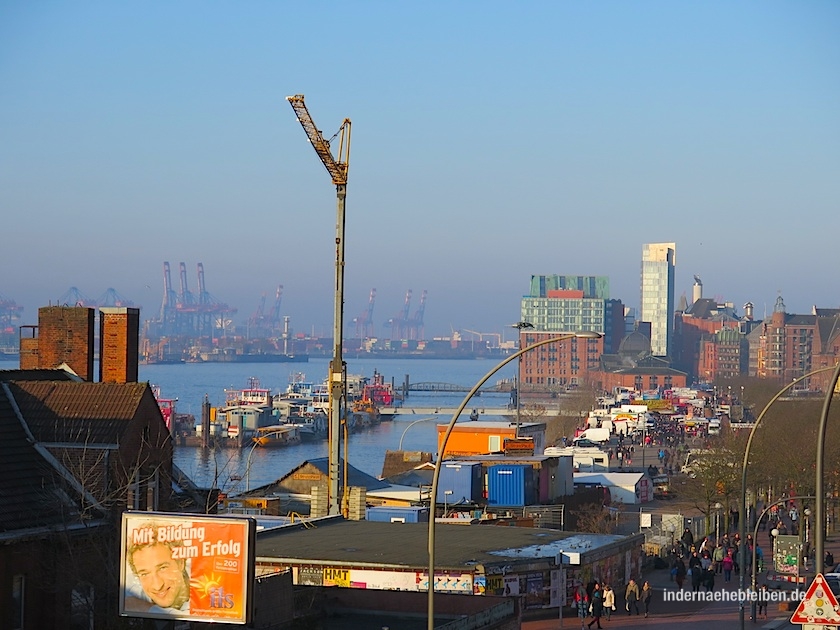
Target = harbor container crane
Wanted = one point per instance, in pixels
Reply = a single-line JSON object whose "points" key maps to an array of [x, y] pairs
{"points": [[274, 319], [338, 168], [364, 322], [416, 329], [400, 323]]}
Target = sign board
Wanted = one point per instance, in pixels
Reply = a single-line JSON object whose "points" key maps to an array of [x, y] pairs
{"points": [[187, 567], [786, 553], [819, 606]]}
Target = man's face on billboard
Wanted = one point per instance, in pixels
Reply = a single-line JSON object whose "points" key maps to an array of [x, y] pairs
{"points": [[161, 577]]}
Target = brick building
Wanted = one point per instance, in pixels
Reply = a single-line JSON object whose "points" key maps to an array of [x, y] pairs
{"points": [[73, 455]]}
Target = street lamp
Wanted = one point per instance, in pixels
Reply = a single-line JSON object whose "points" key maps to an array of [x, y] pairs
{"points": [[251, 452], [442, 449], [742, 508], [773, 532], [819, 512], [718, 507], [446, 493], [520, 326], [411, 424]]}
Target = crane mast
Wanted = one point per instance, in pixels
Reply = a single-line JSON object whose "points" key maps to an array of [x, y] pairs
{"points": [[338, 169]]}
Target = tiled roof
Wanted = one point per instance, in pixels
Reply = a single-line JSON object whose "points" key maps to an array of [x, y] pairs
{"points": [[32, 494], [72, 412]]}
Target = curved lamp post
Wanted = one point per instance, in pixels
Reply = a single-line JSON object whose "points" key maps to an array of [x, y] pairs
{"points": [[742, 508], [442, 450], [251, 452], [755, 544], [411, 424], [819, 511]]}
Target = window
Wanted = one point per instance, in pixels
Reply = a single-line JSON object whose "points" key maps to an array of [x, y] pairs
{"points": [[81, 607], [18, 586]]}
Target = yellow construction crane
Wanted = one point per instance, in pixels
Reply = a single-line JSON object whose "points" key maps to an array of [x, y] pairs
{"points": [[337, 168]]}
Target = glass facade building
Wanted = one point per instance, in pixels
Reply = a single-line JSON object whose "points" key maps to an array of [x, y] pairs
{"points": [[657, 304]]}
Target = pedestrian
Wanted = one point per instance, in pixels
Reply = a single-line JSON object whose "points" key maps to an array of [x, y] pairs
{"points": [[709, 579], [763, 596], [695, 570], [631, 597], [582, 604], [687, 538], [609, 601], [679, 577], [647, 595], [718, 556], [728, 565], [597, 606]]}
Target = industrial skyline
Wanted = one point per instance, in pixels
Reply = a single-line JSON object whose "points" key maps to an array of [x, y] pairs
{"points": [[488, 146]]}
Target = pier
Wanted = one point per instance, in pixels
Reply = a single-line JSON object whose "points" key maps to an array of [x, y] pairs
{"points": [[412, 410]]}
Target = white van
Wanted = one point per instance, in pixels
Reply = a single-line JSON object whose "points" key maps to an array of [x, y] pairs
{"points": [[594, 435], [714, 427]]}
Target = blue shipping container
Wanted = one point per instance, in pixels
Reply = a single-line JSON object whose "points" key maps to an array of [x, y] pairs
{"points": [[460, 482], [386, 514], [511, 485]]}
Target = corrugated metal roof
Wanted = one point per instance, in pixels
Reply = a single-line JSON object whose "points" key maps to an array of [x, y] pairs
{"points": [[77, 412], [343, 543]]}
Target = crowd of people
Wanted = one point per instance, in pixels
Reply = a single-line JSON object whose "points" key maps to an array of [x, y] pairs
{"points": [[596, 601], [704, 560]]}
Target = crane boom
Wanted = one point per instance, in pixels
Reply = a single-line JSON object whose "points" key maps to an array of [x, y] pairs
{"points": [[337, 168]]}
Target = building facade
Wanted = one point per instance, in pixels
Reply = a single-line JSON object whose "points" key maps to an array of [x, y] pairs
{"points": [[556, 305], [657, 298]]}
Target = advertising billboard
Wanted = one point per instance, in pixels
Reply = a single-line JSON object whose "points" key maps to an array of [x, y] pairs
{"points": [[186, 566]]}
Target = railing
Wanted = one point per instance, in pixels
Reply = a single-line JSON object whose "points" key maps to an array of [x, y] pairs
{"points": [[481, 619]]}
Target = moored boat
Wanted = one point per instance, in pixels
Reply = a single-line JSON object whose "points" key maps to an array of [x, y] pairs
{"points": [[277, 435]]}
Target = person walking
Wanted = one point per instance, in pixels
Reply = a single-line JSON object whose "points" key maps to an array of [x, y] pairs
{"points": [[631, 597], [728, 565], [718, 555], [695, 569], [763, 598], [609, 601], [647, 595], [582, 604], [679, 576], [597, 606]]}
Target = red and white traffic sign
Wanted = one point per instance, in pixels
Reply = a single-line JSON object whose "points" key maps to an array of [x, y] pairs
{"points": [[819, 605]]}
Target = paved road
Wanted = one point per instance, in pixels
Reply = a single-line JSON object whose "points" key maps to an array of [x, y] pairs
{"points": [[716, 615]]}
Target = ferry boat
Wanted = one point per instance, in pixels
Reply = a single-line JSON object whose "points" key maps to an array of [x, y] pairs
{"points": [[277, 435]]}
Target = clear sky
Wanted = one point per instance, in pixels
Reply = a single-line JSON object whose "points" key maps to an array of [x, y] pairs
{"points": [[491, 141]]}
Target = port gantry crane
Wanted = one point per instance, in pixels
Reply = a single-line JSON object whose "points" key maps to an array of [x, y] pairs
{"points": [[364, 322], [338, 169]]}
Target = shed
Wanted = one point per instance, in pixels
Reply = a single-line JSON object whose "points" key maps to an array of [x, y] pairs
{"points": [[624, 487]]}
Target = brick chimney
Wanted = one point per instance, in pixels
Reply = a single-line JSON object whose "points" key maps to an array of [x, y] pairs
{"points": [[119, 344], [65, 335]]}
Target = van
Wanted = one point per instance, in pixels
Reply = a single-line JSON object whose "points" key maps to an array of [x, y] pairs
{"points": [[594, 435], [714, 427]]}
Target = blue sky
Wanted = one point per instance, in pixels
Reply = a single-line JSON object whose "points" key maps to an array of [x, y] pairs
{"points": [[491, 141]]}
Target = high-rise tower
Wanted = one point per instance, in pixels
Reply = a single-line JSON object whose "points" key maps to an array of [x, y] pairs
{"points": [[657, 306]]}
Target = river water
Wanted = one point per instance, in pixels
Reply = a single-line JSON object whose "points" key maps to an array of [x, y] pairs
{"points": [[230, 469]]}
